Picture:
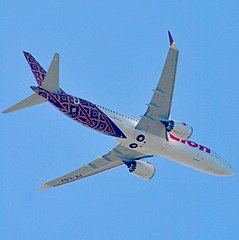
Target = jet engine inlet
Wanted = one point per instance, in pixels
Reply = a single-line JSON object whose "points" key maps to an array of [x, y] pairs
{"points": [[178, 129], [141, 169]]}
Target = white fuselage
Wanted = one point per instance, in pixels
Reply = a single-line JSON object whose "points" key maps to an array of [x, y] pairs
{"points": [[188, 153]]}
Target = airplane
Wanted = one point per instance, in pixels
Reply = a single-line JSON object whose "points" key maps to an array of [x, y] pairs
{"points": [[155, 134]]}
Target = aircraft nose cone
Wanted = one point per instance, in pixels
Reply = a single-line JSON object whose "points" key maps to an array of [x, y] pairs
{"points": [[221, 167], [228, 171], [227, 168]]}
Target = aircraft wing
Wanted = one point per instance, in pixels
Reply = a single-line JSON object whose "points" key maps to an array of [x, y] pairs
{"points": [[159, 107], [113, 158]]}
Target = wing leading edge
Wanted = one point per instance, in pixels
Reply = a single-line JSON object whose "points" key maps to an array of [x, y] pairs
{"points": [[159, 107], [114, 158]]}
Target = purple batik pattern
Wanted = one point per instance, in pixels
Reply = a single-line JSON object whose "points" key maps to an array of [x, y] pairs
{"points": [[37, 70], [82, 111]]}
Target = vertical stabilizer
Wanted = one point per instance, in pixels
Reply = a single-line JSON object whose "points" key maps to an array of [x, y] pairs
{"points": [[51, 80], [37, 70]]}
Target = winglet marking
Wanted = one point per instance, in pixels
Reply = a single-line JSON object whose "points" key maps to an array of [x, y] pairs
{"points": [[171, 41]]}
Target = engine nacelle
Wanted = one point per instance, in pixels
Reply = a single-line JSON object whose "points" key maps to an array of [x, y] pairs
{"points": [[141, 169], [178, 129]]}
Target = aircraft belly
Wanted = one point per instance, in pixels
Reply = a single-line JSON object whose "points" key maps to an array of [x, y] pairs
{"points": [[197, 158], [143, 142], [190, 157]]}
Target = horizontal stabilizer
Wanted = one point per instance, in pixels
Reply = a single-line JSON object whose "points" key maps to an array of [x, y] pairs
{"points": [[44, 186], [33, 100], [51, 80]]}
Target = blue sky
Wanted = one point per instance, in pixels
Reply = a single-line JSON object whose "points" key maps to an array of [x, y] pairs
{"points": [[112, 53]]}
